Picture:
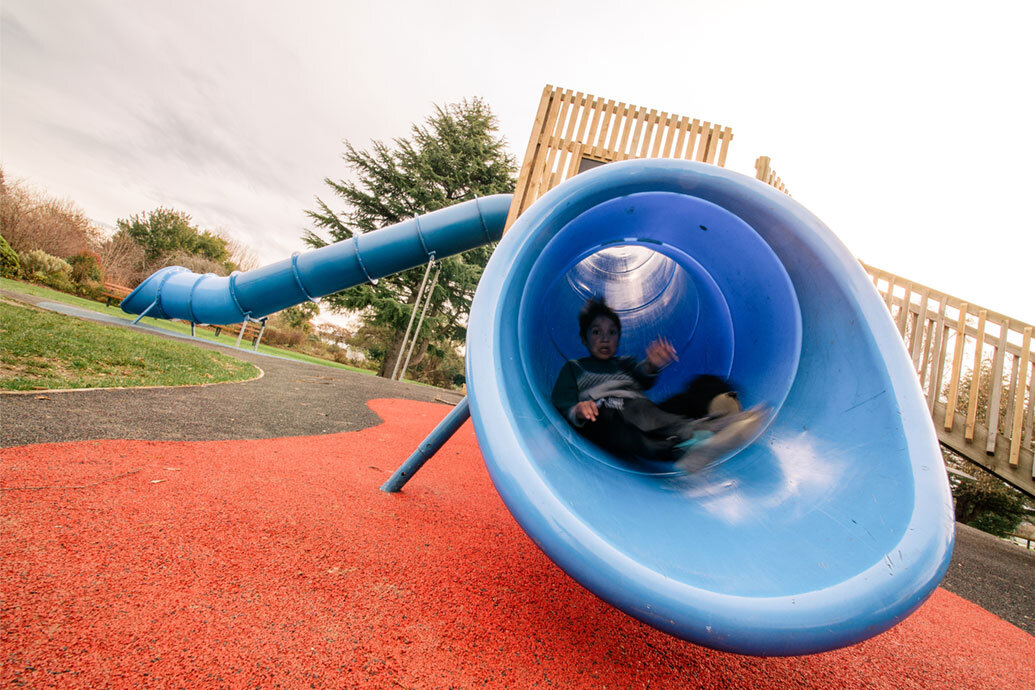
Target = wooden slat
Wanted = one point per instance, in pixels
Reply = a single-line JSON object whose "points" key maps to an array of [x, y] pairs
{"points": [[889, 298], [616, 125], [995, 394], [671, 129], [539, 163], [713, 143], [703, 141], [1012, 393], [975, 377], [919, 326], [925, 358], [573, 164], [727, 138], [658, 132], [762, 168], [629, 149], [903, 312], [957, 364], [586, 112], [530, 154], [684, 127], [560, 117], [576, 114], [627, 125], [598, 107], [938, 360], [692, 135], [599, 138], [1028, 428], [1016, 434]]}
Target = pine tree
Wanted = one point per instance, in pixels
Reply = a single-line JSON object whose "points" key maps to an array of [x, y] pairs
{"points": [[456, 155]]}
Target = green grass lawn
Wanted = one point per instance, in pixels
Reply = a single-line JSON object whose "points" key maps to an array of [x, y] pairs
{"points": [[41, 350], [227, 337]]}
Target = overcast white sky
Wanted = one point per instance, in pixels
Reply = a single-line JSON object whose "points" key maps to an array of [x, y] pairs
{"points": [[905, 126]]}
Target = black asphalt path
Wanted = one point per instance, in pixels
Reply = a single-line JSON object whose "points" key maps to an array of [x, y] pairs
{"points": [[300, 399]]}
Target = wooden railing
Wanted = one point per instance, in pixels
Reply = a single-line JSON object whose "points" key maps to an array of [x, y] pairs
{"points": [[764, 172], [574, 131], [987, 417]]}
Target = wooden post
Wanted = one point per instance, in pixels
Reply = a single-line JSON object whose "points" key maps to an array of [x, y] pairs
{"points": [[975, 377], [938, 357], [919, 327], [957, 364], [903, 313], [1018, 403], [995, 395]]}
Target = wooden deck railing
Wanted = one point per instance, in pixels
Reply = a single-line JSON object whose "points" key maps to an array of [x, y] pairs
{"points": [[765, 172], [986, 417]]}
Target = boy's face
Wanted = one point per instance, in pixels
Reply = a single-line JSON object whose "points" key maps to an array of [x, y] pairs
{"points": [[602, 338]]}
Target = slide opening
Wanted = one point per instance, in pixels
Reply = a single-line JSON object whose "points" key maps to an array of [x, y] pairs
{"points": [[662, 261]]}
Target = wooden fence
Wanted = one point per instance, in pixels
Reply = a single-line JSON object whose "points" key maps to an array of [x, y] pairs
{"points": [[764, 172], [574, 132], [988, 417]]}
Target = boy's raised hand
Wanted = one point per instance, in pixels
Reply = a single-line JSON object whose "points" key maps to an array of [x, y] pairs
{"points": [[660, 353]]}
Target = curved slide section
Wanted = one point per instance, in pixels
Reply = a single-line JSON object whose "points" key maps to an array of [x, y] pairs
{"points": [[177, 293], [832, 527]]}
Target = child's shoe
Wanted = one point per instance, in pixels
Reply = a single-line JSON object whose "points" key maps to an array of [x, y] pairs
{"points": [[720, 436], [724, 404]]}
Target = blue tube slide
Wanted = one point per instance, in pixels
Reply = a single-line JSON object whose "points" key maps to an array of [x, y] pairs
{"points": [[833, 526], [177, 293]]}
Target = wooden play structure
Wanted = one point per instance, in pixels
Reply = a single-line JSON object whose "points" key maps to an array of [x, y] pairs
{"points": [[987, 419], [574, 132]]}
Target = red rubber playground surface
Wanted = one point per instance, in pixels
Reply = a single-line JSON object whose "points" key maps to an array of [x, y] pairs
{"points": [[279, 563]]}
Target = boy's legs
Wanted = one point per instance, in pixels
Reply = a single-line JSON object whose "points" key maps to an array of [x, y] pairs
{"points": [[703, 392], [619, 431]]}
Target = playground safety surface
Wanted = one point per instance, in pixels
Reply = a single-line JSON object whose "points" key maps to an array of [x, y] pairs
{"points": [[193, 557]]}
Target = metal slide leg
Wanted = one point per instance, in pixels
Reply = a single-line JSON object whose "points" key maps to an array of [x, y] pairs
{"points": [[144, 313], [428, 447], [423, 312], [413, 312]]}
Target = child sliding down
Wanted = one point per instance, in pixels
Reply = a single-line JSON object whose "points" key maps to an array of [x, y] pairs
{"points": [[602, 397]]}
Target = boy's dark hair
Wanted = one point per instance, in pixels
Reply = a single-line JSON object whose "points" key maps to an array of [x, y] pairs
{"points": [[591, 310]]}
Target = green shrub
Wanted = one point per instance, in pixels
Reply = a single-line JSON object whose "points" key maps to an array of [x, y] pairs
{"points": [[41, 267], [86, 268], [58, 281], [10, 266], [38, 261]]}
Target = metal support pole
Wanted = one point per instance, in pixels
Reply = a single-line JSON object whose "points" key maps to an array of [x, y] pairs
{"points": [[144, 313], [429, 446], [258, 338], [244, 325], [413, 312], [420, 322]]}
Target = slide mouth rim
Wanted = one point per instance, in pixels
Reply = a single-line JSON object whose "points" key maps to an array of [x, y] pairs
{"points": [[809, 622]]}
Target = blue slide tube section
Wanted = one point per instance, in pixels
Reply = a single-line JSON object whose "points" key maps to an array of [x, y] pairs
{"points": [[832, 527], [181, 294]]}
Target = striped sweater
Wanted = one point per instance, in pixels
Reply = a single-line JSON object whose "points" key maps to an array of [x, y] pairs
{"points": [[607, 382]]}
